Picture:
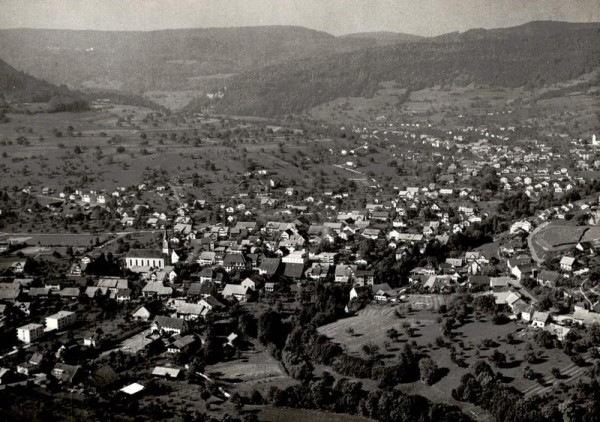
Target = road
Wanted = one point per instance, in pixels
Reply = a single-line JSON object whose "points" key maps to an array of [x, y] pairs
{"points": [[584, 295], [15, 350], [534, 254]]}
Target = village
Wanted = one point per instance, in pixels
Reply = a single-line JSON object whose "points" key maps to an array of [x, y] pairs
{"points": [[166, 276]]}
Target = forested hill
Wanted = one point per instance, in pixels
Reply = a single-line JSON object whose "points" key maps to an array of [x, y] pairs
{"points": [[385, 38], [16, 86], [534, 54], [136, 61]]}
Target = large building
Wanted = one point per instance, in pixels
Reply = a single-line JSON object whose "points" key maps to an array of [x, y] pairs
{"points": [[144, 260], [60, 320], [30, 332]]}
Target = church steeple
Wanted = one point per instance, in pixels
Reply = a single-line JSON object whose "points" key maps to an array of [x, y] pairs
{"points": [[165, 243]]}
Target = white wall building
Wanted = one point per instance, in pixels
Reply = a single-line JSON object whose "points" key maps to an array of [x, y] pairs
{"points": [[30, 332]]}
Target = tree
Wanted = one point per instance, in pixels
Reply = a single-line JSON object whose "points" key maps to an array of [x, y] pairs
{"points": [[428, 370], [270, 328], [371, 350], [392, 334], [485, 304], [498, 358]]}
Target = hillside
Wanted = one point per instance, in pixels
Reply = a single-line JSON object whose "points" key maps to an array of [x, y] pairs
{"points": [[16, 86], [531, 55], [136, 62], [384, 37]]}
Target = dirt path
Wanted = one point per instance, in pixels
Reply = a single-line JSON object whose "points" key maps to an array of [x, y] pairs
{"points": [[534, 254]]}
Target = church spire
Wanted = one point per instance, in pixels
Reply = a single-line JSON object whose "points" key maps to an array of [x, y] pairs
{"points": [[165, 243]]}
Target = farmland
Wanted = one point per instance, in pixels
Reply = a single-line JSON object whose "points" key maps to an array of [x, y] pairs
{"points": [[371, 325], [554, 238], [253, 370]]}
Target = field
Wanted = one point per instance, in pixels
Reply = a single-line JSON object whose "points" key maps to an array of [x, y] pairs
{"points": [[558, 237], [74, 240], [370, 325], [255, 369], [284, 414], [117, 146]]}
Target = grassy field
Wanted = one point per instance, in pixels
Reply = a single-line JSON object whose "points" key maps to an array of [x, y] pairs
{"points": [[255, 369], [74, 240], [370, 325], [284, 414]]}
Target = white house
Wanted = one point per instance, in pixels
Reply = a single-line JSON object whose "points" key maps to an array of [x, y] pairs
{"points": [[540, 319], [566, 263]]}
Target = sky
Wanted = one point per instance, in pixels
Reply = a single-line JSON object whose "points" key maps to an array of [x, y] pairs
{"points": [[421, 17]]}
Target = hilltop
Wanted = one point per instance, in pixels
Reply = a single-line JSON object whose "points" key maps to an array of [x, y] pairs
{"points": [[136, 62], [385, 37], [19, 86], [531, 55]]}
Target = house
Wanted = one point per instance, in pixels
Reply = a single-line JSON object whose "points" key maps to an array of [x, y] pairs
{"points": [[188, 311], [166, 372], [293, 270], [182, 345], [206, 258], [104, 377], [60, 320], [522, 271], [157, 288], [584, 317], [296, 257], [167, 325], [344, 273], [317, 271], [499, 282], [364, 277], [143, 260], [540, 319], [478, 281], [30, 332], [9, 292], [203, 289], [69, 292], [236, 291], [113, 283], [269, 266], [567, 263], [206, 275], [123, 295], [234, 262], [142, 314], [32, 366], [248, 283], [93, 339], [548, 278], [68, 374], [383, 292], [132, 389], [557, 330]]}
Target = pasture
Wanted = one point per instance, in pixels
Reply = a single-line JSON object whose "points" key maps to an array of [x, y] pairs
{"points": [[371, 325], [57, 239], [253, 370]]}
